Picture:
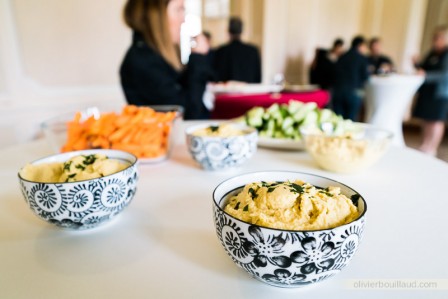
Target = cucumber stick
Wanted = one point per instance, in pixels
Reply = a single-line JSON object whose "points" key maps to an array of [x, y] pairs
{"points": [[284, 121]]}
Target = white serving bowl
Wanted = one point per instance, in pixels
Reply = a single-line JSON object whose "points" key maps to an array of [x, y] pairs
{"points": [[83, 204], [218, 153], [286, 258]]}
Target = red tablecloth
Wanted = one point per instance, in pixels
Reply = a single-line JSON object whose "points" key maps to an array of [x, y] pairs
{"points": [[233, 105]]}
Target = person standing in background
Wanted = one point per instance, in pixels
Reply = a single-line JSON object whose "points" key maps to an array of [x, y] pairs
{"points": [[322, 70], [210, 56], [237, 61], [432, 100], [378, 63], [351, 73], [151, 72], [337, 50]]}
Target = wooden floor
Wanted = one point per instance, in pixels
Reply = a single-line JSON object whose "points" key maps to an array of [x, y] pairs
{"points": [[412, 136]]}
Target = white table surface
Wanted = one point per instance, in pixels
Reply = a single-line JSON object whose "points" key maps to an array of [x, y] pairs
{"points": [[164, 245]]}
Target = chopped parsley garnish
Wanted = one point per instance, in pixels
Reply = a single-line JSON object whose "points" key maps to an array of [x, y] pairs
{"points": [[90, 159], [253, 193], [237, 206], [70, 176], [79, 166], [326, 193], [67, 165], [246, 208], [214, 128], [270, 189], [355, 199], [296, 188]]}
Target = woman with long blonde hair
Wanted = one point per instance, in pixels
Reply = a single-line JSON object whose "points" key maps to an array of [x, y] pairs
{"points": [[151, 72]]}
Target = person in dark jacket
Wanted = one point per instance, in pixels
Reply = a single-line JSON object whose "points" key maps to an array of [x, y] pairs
{"points": [[151, 72], [378, 62], [432, 100], [351, 74], [236, 60], [322, 71]]}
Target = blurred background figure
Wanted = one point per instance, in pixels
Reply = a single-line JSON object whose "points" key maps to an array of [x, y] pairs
{"points": [[351, 74], [237, 61], [378, 63], [151, 72], [432, 100], [337, 50], [210, 57], [211, 52], [322, 71]]}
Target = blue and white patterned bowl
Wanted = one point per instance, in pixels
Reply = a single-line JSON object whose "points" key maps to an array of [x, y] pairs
{"points": [[218, 153], [285, 258], [84, 204]]}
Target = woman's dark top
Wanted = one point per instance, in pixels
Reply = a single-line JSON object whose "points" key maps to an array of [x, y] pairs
{"points": [[147, 79], [432, 100], [323, 70]]}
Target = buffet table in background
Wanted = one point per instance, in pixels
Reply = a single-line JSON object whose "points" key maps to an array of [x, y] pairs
{"points": [[164, 244], [387, 100], [230, 105]]}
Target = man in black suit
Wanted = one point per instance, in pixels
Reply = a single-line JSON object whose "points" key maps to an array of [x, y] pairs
{"points": [[236, 60], [351, 74]]}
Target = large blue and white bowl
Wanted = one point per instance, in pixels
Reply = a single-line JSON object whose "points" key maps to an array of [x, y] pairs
{"points": [[84, 204], [218, 153], [286, 258]]}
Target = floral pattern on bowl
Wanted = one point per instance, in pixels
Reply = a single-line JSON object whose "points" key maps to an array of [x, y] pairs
{"points": [[83, 204], [216, 153], [285, 258]]}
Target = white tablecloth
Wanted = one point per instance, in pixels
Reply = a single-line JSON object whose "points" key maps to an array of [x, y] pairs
{"points": [[387, 100], [164, 245]]}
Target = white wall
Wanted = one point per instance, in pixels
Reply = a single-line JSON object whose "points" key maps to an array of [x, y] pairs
{"points": [[294, 28], [57, 56]]}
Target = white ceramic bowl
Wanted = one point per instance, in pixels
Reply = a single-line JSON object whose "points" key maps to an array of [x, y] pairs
{"points": [[218, 153], [286, 258], [84, 204]]}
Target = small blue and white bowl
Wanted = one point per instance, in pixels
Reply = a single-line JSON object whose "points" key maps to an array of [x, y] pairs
{"points": [[219, 153], [286, 258], [83, 204]]}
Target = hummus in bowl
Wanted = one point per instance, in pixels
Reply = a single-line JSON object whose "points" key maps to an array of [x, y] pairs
{"points": [[348, 151], [286, 240], [292, 205], [219, 130], [220, 146], [82, 189], [75, 169]]}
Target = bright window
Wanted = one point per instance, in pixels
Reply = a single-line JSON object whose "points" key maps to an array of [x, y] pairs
{"points": [[191, 27]]}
